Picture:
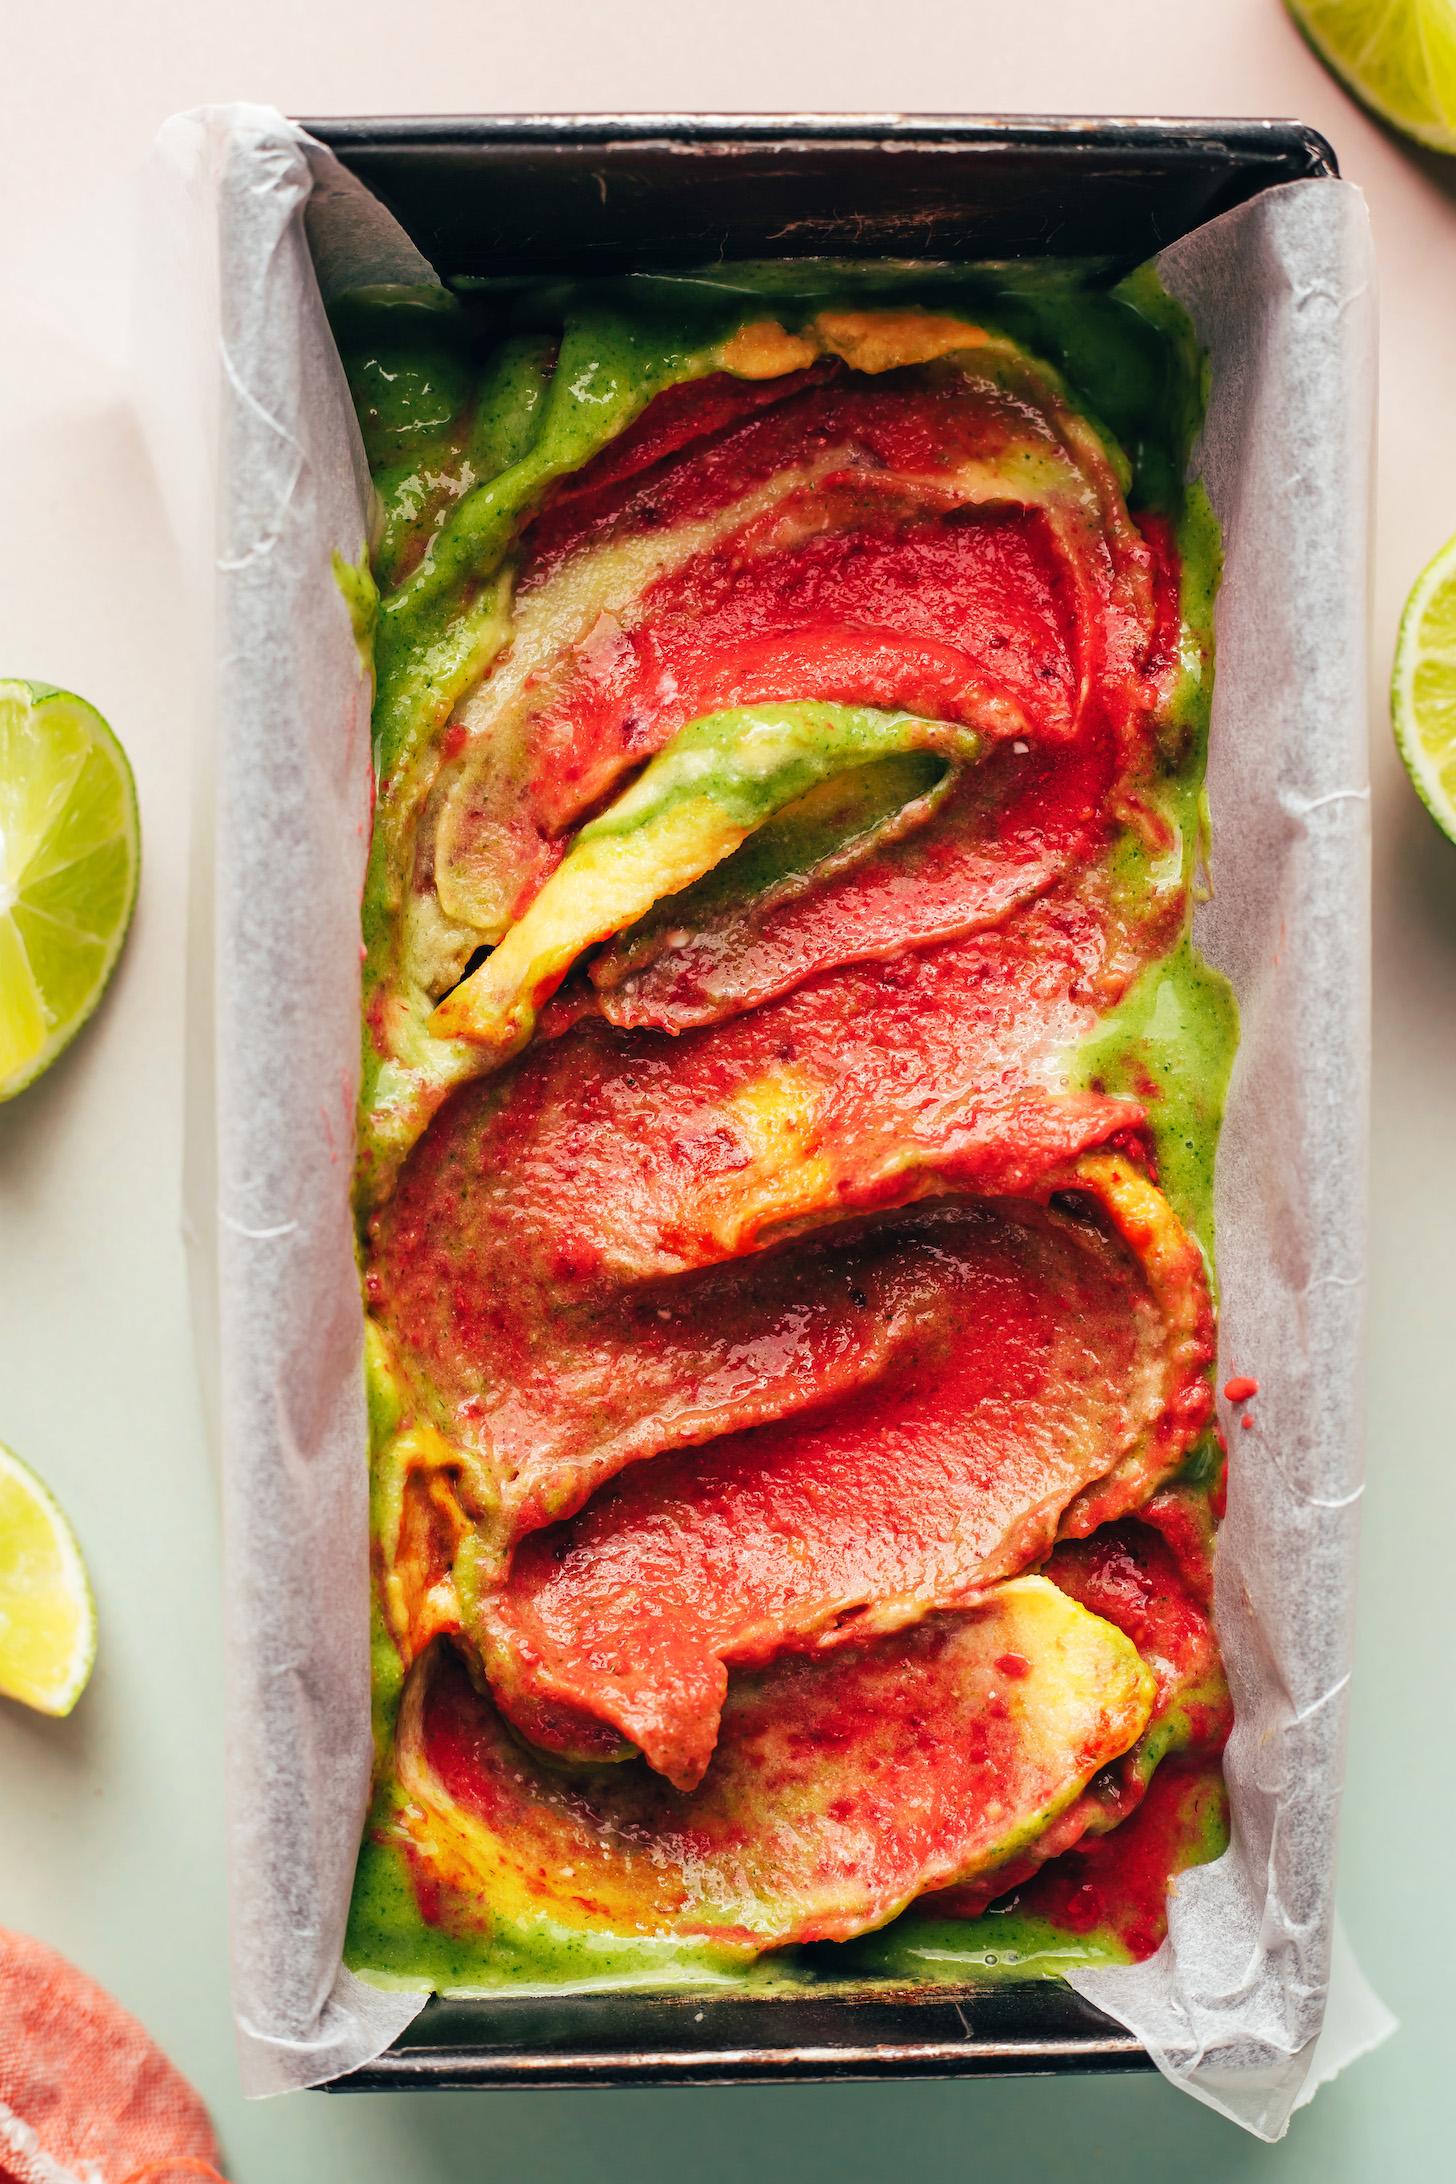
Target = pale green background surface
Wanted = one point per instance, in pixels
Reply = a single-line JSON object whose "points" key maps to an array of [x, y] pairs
{"points": [[110, 1824]]}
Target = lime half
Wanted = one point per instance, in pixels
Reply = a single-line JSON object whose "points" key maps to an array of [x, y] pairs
{"points": [[69, 855], [47, 1615], [1399, 56], [1423, 688]]}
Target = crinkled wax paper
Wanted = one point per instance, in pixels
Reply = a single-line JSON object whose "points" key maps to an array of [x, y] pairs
{"points": [[1232, 2005], [1281, 294]]}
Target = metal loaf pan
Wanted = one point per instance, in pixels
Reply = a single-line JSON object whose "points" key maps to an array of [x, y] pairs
{"points": [[552, 195]]}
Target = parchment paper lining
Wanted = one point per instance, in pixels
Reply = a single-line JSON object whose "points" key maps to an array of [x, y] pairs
{"points": [[1231, 2007]]}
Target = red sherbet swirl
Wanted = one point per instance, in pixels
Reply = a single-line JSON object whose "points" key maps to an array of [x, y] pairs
{"points": [[790, 1295], [1058, 1380]]}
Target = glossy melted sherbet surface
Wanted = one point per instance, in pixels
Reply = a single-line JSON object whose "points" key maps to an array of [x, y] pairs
{"points": [[789, 1105]]}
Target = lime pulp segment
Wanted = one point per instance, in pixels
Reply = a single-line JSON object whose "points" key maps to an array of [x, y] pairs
{"points": [[47, 1615], [69, 857], [1399, 56], [1423, 688]]}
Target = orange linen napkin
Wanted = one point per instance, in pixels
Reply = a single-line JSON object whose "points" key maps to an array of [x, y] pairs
{"points": [[86, 2097]]}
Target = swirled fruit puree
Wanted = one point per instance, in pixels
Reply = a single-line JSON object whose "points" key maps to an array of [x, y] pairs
{"points": [[786, 1135]]}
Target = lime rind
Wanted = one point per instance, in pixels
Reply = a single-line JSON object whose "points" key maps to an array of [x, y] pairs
{"points": [[70, 854], [1397, 56], [1423, 688], [34, 1529]]}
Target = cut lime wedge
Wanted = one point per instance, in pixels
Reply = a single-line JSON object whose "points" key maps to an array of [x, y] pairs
{"points": [[47, 1615], [1423, 688], [69, 855], [1399, 56]]}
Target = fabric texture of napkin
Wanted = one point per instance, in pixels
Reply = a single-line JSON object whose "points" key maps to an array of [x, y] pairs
{"points": [[86, 2095]]}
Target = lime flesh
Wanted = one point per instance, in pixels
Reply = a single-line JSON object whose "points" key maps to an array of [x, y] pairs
{"points": [[1399, 56], [47, 1615], [69, 856], [1423, 688]]}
